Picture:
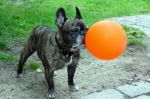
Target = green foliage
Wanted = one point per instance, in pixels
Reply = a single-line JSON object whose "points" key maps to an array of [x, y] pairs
{"points": [[135, 36], [18, 17], [6, 57], [3, 44], [33, 65]]}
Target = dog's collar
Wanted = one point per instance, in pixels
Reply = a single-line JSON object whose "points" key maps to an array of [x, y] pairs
{"points": [[62, 49]]}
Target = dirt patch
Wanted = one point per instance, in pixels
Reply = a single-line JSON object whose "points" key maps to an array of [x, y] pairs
{"points": [[92, 75]]}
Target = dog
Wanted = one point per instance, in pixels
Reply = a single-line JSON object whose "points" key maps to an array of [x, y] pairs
{"points": [[56, 49]]}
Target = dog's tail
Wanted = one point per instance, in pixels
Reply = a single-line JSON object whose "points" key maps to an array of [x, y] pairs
{"points": [[30, 45]]}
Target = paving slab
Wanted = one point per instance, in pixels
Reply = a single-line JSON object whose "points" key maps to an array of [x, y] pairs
{"points": [[148, 80], [135, 89], [106, 94], [142, 97], [141, 22]]}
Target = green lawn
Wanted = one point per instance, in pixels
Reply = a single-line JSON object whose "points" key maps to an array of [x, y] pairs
{"points": [[18, 18]]}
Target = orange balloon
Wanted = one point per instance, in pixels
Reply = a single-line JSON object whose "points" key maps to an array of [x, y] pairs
{"points": [[106, 40]]}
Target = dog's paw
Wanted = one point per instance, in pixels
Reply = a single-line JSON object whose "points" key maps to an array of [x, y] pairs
{"points": [[19, 75], [51, 94], [55, 73], [73, 88]]}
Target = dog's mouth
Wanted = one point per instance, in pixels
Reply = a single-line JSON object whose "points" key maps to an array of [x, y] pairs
{"points": [[75, 49]]}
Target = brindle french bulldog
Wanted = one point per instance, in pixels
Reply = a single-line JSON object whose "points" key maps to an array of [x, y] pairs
{"points": [[56, 49]]}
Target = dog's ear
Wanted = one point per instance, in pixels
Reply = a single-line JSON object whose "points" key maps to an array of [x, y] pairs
{"points": [[60, 17], [78, 14]]}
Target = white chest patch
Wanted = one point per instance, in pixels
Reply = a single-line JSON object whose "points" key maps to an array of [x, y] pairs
{"points": [[68, 63]]}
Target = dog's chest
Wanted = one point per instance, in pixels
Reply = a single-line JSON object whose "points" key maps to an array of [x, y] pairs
{"points": [[59, 61], [55, 58]]}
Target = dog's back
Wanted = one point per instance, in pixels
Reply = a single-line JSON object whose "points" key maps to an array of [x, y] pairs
{"points": [[39, 37]]}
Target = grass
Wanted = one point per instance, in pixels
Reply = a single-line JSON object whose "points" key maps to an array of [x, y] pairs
{"points": [[3, 44], [135, 36], [33, 65], [6, 57], [18, 18]]}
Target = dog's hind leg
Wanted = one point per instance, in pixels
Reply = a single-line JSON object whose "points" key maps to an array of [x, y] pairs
{"points": [[28, 50]]}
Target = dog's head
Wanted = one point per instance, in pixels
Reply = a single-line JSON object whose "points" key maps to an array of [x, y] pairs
{"points": [[72, 31]]}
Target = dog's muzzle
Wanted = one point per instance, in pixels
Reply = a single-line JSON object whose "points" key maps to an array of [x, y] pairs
{"points": [[77, 41]]}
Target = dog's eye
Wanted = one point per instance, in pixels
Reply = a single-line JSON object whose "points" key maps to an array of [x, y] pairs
{"points": [[82, 32], [72, 24], [75, 30]]}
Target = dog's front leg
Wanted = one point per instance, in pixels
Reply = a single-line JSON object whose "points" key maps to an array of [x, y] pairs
{"points": [[49, 78], [71, 71], [49, 73]]}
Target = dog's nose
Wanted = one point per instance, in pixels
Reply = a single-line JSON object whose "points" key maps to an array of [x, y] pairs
{"points": [[74, 47]]}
